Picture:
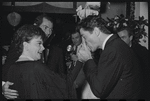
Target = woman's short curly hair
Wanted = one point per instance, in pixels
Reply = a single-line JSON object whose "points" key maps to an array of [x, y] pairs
{"points": [[25, 34]]}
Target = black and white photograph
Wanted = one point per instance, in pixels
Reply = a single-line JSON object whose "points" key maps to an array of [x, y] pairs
{"points": [[75, 50]]}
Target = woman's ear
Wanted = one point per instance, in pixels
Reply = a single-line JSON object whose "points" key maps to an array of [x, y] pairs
{"points": [[25, 45]]}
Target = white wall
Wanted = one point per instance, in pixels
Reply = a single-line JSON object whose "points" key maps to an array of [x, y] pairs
{"points": [[114, 9], [141, 9]]}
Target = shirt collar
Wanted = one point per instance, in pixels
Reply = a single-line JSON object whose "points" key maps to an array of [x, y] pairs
{"points": [[78, 47], [104, 43]]}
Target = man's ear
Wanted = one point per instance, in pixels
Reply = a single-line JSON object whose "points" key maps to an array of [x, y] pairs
{"points": [[96, 31], [42, 27]]}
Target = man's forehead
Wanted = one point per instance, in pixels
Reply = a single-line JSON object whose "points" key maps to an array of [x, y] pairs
{"points": [[75, 34], [123, 32], [47, 22], [83, 32]]}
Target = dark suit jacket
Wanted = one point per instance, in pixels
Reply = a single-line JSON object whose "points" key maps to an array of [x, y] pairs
{"points": [[56, 60], [12, 57], [117, 75], [142, 54]]}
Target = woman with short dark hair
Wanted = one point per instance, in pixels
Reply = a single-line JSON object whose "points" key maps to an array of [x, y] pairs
{"points": [[33, 79]]}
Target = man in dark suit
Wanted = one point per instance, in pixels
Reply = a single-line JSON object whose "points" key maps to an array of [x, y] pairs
{"points": [[117, 75], [76, 44], [127, 35], [56, 60]]}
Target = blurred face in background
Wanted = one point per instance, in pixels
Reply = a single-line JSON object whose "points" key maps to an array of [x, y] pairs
{"points": [[125, 37], [76, 39], [47, 27]]}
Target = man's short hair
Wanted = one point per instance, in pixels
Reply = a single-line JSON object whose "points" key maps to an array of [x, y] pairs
{"points": [[92, 21], [39, 19], [128, 29]]}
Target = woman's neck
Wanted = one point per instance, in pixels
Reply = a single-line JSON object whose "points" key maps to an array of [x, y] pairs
{"points": [[24, 57]]}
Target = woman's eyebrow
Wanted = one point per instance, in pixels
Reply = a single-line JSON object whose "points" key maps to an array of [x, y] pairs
{"points": [[40, 41]]}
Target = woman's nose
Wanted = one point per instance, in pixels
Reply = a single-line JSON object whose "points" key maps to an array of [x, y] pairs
{"points": [[43, 47]]}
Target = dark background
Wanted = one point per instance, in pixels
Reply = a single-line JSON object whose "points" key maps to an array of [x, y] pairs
{"points": [[62, 23]]}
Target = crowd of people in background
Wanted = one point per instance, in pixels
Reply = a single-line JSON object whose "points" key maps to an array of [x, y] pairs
{"points": [[108, 65]]}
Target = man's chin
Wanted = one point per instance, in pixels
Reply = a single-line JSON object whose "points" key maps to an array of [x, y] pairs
{"points": [[93, 50]]}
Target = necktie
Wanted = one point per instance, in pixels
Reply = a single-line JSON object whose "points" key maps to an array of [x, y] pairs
{"points": [[75, 49]]}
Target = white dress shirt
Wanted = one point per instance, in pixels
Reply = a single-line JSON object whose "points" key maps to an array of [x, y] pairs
{"points": [[87, 93]]}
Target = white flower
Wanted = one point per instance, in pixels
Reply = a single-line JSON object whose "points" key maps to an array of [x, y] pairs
{"points": [[116, 17], [91, 12], [86, 12], [79, 8], [82, 13], [136, 26], [117, 25], [115, 22], [108, 24], [124, 24]]}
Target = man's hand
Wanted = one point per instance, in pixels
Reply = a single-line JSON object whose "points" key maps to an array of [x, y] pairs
{"points": [[8, 93], [84, 53], [68, 63], [74, 57]]}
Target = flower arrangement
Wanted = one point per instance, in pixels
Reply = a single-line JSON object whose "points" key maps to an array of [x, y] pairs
{"points": [[119, 22], [116, 23], [91, 8]]}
